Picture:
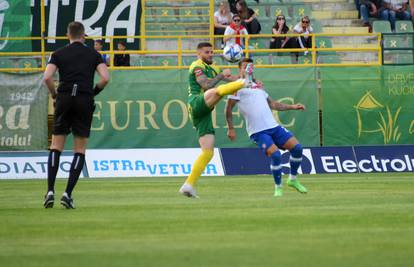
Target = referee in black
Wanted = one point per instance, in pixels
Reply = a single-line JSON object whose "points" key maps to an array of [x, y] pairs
{"points": [[74, 105]]}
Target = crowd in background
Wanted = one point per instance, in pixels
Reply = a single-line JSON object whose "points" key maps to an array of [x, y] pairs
{"points": [[235, 17], [119, 59], [390, 10]]}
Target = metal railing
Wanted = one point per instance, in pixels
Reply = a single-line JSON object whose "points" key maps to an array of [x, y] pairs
{"points": [[398, 48], [179, 52]]}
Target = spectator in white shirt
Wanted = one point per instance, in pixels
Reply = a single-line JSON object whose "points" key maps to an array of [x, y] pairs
{"points": [[222, 18], [304, 27], [235, 28]]}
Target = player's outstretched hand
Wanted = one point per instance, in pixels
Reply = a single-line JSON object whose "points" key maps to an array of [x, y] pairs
{"points": [[226, 73], [231, 134], [299, 106]]}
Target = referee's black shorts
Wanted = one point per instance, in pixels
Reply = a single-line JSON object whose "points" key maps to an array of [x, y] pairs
{"points": [[73, 114]]}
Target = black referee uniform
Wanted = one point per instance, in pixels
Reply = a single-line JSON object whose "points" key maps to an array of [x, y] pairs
{"points": [[74, 108]]}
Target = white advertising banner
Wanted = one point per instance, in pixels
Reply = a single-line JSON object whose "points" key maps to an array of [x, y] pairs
{"points": [[148, 162], [32, 165]]}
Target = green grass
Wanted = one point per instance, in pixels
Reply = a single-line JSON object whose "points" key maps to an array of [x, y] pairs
{"points": [[344, 220]]}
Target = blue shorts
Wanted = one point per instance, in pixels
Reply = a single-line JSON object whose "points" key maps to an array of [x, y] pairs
{"points": [[278, 136]]}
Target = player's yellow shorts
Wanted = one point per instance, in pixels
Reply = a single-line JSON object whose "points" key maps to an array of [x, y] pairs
{"points": [[200, 114]]}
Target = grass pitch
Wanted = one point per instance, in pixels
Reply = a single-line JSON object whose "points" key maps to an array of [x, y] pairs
{"points": [[344, 220]]}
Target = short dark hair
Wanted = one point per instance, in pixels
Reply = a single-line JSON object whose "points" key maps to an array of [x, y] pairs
{"points": [[76, 29], [101, 42], [236, 16], [248, 60], [122, 43], [203, 44]]}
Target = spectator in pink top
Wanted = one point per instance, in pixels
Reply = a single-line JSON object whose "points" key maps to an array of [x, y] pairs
{"points": [[222, 19]]}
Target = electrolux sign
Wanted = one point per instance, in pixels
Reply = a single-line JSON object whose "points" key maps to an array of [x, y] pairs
{"points": [[385, 159], [364, 159]]}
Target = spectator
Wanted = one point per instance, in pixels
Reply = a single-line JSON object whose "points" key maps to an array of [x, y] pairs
{"points": [[121, 59], [233, 3], [249, 17], [393, 9], [280, 27], [369, 8], [412, 9], [304, 27], [98, 45], [222, 18], [235, 28]]}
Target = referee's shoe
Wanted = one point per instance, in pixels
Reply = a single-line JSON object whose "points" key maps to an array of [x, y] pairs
{"points": [[49, 200], [67, 202]]}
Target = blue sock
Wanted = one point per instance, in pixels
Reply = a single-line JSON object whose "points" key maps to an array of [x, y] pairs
{"points": [[295, 159], [276, 168]]}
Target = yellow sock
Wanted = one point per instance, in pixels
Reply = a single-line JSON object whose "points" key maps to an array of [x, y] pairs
{"points": [[230, 88], [199, 166]]}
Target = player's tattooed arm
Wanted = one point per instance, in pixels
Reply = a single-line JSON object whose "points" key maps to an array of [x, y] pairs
{"points": [[207, 83], [275, 105], [231, 78], [231, 133]]}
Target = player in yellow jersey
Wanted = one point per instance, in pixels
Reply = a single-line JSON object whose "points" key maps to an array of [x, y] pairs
{"points": [[203, 95]]}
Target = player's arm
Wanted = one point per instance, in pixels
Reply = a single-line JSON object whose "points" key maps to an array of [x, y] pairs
{"points": [[228, 77], [275, 105], [207, 83], [231, 133], [48, 79], [103, 73]]}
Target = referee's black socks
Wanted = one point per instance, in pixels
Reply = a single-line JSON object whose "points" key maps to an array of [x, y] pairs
{"points": [[52, 168], [75, 170]]}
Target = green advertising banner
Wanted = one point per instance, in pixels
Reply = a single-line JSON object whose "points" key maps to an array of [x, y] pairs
{"points": [[23, 112], [142, 109], [369, 105], [15, 19]]}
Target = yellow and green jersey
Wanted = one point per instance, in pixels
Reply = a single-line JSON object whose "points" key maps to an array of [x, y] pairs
{"points": [[198, 68]]}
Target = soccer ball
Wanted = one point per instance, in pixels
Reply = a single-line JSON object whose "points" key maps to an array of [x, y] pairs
{"points": [[233, 53]]}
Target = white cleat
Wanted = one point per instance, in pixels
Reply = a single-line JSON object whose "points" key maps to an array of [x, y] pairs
{"points": [[188, 191]]}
